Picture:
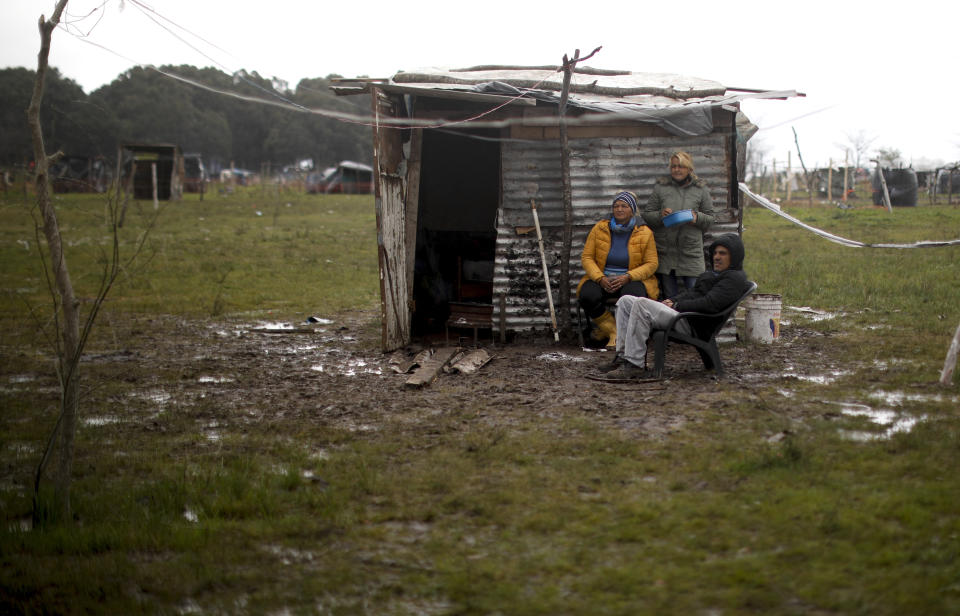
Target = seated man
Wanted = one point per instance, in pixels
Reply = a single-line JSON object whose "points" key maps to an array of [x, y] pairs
{"points": [[714, 290]]}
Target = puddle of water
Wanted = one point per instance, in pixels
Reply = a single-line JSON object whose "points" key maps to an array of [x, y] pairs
{"points": [[274, 325], [22, 378], [351, 367], [215, 379], [303, 348], [897, 398], [101, 420], [820, 379], [786, 393], [158, 396], [558, 356], [815, 315], [892, 421], [318, 321]]}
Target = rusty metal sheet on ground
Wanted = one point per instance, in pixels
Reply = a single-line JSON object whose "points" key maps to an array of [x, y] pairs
{"points": [[431, 367], [401, 364], [471, 362]]}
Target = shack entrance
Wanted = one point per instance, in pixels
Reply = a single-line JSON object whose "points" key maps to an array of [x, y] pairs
{"points": [[456, 226], [142, 166]]}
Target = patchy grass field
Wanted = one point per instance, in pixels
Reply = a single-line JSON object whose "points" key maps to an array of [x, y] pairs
{"points": [[226, 467]]}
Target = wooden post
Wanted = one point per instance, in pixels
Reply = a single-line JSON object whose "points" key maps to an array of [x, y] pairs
{"points": [[564, 291], [946, 375], [950, 187], [846, 174], [807, 176], [830, 181], [153, 175], [567, 239], [789, 176], [389, 205], [411, 208], [883, 184]]}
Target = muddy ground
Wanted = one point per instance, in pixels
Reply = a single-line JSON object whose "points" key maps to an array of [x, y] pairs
{"points": [[235, 374]]}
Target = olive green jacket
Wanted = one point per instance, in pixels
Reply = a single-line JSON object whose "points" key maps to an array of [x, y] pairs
{"points": [[680, 247]]}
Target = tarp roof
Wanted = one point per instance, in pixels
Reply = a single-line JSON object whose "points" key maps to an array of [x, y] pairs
{"points": [[680, 104]]}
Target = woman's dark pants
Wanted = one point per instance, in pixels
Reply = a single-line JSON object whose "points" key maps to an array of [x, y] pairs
{"points": [[594, 299]]}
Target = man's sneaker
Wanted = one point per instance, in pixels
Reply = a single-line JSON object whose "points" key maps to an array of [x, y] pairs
{"points": [[624, 373], [611, 365]]}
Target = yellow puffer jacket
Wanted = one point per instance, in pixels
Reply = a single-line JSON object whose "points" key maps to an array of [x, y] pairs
{"points": [[643, 256]]}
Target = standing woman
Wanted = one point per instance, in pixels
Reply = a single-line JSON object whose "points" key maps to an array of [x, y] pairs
{"points": [[619, 258], [679, 246]]}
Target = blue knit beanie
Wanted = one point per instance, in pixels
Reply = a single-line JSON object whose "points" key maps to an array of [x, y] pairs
{"points": [[629, 198]]}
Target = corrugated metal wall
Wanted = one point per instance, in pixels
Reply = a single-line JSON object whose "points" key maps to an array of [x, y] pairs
{"points": [[599, 168]]}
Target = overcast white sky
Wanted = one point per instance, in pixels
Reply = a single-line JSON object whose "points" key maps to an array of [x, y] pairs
{"points": [[889, 72]]}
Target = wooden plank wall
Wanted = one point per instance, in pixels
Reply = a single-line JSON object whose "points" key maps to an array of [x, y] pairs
{"points": [[391, 225]]}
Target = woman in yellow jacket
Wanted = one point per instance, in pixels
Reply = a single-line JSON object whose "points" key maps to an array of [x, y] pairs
{"points": [[619, 258]]}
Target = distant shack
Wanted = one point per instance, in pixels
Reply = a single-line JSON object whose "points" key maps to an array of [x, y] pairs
{"points": [[140, 163], [472, 148]]}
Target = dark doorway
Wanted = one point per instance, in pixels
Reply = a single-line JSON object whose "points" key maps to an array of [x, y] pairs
{"points": [[456, 225]]}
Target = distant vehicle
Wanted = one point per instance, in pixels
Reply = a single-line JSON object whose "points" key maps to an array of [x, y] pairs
{"points": [[347, 177], [316, 181], [194, 173]]}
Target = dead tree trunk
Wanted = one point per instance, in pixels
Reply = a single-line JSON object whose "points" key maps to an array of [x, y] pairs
{"points": [[62, 437]]}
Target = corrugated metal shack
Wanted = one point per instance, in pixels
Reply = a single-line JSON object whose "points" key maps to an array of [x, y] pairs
{"points": [[137, 162], [460, 154]]}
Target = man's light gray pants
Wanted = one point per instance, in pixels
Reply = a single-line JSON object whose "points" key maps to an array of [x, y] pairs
{"points": [[636, 317]]}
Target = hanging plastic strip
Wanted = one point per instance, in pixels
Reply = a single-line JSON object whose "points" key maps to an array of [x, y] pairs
{"points": [[773, 207]]}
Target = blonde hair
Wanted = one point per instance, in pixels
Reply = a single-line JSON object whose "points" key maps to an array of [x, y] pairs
{"points": [[683, 158]]}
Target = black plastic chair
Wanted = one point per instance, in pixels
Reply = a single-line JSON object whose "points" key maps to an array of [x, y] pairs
{"points": [[706, 347]]}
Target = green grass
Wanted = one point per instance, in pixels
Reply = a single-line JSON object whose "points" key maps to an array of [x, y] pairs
{"points": [[486, 508], [251, 251]]}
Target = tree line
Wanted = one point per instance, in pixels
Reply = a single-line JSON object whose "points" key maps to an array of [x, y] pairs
{"points": [[143, 105]]}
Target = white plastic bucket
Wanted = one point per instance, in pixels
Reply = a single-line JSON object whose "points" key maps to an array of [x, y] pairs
{"points": [[763, 317]]}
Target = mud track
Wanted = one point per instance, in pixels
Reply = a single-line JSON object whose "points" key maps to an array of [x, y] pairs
{"points": [[234, 375]]}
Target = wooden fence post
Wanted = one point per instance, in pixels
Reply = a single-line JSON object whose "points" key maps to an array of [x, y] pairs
{"points": [[830, 181], [846, 174], [153, 175]]}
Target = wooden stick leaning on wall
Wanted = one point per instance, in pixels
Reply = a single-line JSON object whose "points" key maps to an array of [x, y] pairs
{"points": [[883, 184], [546, 272]]}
